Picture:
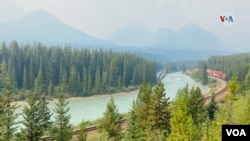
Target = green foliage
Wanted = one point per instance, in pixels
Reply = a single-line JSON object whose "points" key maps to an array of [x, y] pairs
{"points": [[212, 108], [133, 130], [46, 114], [159, 109], [82, 135], [150, 114], [233, 88], [61, 129], [180, 66], [110, 123], [196, 106], [50, 89], [233, 85], [237, 64], [142, 105], [182, 125], [7, 115], [32, 119], [73, 81], [203, 73], [78, 72]]}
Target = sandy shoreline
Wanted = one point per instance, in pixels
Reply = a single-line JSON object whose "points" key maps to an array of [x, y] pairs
{"points": [[24, 103], [177, 78]]}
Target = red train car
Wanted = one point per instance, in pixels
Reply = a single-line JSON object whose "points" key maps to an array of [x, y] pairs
{"points": [[216, 73]]}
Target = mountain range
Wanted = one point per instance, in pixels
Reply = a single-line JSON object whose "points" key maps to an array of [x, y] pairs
{"points": [[190, 36], [191, 42], [188, 43], [40, 26]]}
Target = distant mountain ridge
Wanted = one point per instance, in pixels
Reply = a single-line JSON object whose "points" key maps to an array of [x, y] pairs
{"points": [[40, 26], [190, 36], [191, 42], [134, 34]]}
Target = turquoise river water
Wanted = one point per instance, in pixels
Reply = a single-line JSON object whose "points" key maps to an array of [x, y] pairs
{"points": [[91, 108]]}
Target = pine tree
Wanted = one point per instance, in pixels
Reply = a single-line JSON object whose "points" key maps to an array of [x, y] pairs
{"points": [[212, 108], [89, 82], [196, 106], [7, 114], [105, 82], [159, 112], [110, 123], [98, 81], [62, 129], [78, 85], [82, 135], [133, 130], [233, 88], [233, 85], [84, 80], [181, 122], [25, 79], [143, 104], [125, 78], [39, 83], [31, 74], [204, 73], [73, 81], [46, 123], [63, 82], [32, 119], [50, 89]]}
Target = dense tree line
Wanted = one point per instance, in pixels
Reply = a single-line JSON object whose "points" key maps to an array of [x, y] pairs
{"points": [[36, 118], [237, 64], [78, 72], [152, 116], [201, 74], [188, 118], [180, 66]]}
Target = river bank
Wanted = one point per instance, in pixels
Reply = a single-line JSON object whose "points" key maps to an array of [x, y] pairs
{"points": [[72, 99], [92, 107]]}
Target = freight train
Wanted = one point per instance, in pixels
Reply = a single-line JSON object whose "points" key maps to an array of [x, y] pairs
{"points": [[216, 73]]}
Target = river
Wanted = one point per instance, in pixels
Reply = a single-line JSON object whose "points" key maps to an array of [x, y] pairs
{"points": [[91, 108]]}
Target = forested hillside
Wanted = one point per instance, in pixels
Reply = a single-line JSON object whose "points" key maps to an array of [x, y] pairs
{"points": [[187, 118], [76, 72], [237, 65]]}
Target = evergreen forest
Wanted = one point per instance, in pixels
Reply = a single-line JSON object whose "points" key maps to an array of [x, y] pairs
{"points": [[71, 71], [36, 72]]}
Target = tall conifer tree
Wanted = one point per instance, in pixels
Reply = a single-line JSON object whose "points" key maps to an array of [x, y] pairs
{"points": [[62, 129], [7, 114], [110, 123], [32, 119]]}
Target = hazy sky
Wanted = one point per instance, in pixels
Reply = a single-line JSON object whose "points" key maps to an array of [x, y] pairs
{"points": [[103, 17]]}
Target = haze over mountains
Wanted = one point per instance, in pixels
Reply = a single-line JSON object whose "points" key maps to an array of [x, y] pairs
{"points": [[190, 36], [13, 10], [190, 42], [40, 26]]}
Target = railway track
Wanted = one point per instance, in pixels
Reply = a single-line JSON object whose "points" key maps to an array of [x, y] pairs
{"points": [[220, 91], [216, 94], [76, 132]]}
